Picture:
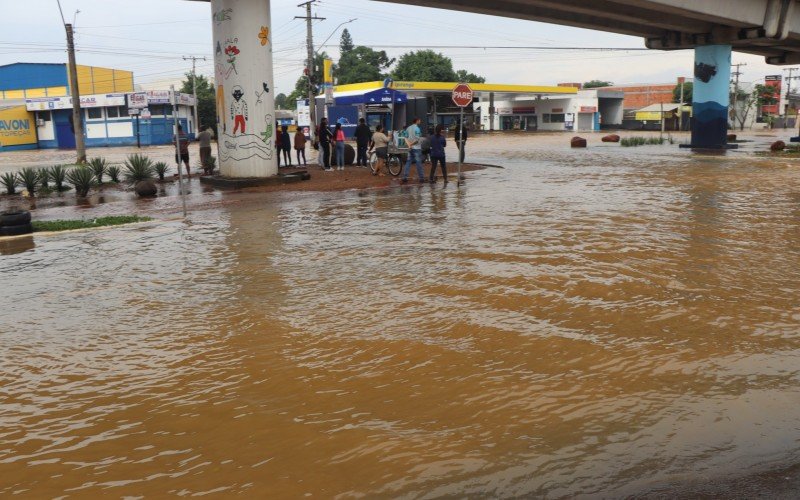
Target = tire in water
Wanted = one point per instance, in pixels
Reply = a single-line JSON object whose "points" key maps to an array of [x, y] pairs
{"points": [[16, 230], [19, 218]]}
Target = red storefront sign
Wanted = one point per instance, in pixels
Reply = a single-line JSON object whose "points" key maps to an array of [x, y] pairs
{"points": [[588, 109]]}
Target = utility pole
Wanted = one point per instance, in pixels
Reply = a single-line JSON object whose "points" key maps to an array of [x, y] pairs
{"points": [[194, 89], [735, 99], [310, 64], [77, 121]]}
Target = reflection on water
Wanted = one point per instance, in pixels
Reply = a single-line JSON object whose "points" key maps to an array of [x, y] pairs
{"points": [[577, 323]]}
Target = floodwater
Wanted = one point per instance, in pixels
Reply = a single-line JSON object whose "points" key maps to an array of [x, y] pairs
{"points": [[581, 323]]}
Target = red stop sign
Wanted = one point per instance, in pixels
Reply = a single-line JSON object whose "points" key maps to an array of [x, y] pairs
{"points": [[462, 95]]}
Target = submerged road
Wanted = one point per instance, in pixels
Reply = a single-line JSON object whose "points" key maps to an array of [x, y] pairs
{"points": [[583, 323]]}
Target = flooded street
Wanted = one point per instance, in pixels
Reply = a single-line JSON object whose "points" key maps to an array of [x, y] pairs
{"points": [[600, 322]]}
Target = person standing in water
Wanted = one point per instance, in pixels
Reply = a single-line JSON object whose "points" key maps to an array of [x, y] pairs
{"points": [[438, 142], [338, 136]]}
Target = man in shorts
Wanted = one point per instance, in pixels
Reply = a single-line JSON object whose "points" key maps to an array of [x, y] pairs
{"points": [[184, 149]]}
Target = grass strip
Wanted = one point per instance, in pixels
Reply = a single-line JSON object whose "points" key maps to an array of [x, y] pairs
{"points": [[66, 225]]}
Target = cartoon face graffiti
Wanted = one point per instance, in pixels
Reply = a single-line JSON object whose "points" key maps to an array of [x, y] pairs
{"points": [[238, 93], [239, 113]]}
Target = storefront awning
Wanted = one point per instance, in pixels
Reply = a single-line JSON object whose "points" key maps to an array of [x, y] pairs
{"points": [[379, 96]]}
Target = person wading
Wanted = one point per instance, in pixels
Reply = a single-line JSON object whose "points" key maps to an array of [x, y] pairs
{"points": [[338, 136], [325, 137], [414, 142], [363, 136], [381, 144], [300, 147], [438, 142]]}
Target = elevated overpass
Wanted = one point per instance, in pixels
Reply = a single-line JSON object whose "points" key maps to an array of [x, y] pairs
{"points": [[713, 28], [770, 28]]}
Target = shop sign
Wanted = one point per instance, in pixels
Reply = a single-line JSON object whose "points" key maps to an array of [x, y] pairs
{"points": [[47, 103], [87, 101], [525, 110], [557, 110], [505, 111], [16, 127], [133, 111], [158, 97], [588, 109], [137, 100]]}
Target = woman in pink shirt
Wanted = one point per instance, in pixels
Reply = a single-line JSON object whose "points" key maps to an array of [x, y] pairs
{"points": [[338, 137]]}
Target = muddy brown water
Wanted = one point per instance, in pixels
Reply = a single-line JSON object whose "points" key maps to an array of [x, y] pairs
{"points": [[580, 323]]}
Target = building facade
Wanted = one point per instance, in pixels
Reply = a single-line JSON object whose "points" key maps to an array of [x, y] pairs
{"points": [[36, 109], [585, 111]]}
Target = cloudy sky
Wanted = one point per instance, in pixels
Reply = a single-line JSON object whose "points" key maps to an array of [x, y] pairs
{"points": [[150, 37]]}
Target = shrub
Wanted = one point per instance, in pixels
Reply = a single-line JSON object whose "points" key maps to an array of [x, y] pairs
{"points": [[113, 171], [44, 178], [138, 168], [83, 178], [30, 178], [161, 169], [10, 180], [99, 167], [58, 174]]}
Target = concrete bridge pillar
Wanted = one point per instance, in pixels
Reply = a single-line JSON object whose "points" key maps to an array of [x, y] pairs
{"points": [[244, 86], [711, 96]]}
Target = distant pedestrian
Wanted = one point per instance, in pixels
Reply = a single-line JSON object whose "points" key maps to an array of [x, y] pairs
{"points": [[438, 142], [325, 139], [286, 146], [204, 138], [338, 136], [300, 146], [380, 142], [183, 149], [414, 140], [461, 139], [278, 146], [363, 136]]}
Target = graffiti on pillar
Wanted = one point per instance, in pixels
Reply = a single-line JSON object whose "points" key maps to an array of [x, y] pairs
{"points": [[219, 49], [221, 108], [263, 35], [239, 110], [266, 136], [231, 51], [245, 146], [259, 95], [704, 72], [222, 15]]}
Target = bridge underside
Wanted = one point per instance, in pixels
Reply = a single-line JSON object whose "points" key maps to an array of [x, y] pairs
{"points": [[770, 28]]}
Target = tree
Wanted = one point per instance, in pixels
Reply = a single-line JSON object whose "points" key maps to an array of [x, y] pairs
{"points": [[594, 84], [463, 76], [281, 101], [362, 64], [424, 66], [206, 100], [301, 87], [688, 88], [740, 107], [346, 42]]}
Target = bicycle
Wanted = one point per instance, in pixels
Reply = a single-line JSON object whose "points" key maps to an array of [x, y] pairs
{"points": [[394, 160]]}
